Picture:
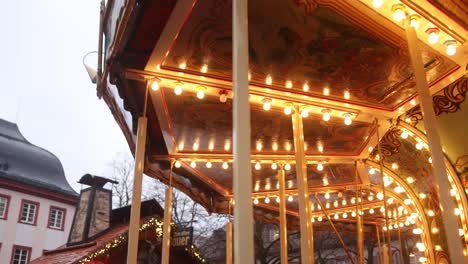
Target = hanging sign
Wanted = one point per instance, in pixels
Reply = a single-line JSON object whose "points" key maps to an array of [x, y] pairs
{"points": [[182, 237]]}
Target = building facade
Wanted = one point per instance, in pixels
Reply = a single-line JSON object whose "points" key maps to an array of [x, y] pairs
{"points": [[37, 204]]}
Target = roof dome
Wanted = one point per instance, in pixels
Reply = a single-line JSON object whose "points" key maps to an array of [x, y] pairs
{"points": [[24, 162]]}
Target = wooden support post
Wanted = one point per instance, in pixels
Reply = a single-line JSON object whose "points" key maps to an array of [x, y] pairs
{"points": [[134, 225], [455, 247], [243, 213], [166, 240], [359, 229], [378, 243], [282, 210], [307, 239], [229, 243]]}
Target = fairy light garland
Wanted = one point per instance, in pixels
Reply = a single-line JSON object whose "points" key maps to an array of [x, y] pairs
{"points": [[120, 240]]}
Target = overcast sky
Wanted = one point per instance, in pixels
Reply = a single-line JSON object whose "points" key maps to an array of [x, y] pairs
{"points": [[45, 88]]}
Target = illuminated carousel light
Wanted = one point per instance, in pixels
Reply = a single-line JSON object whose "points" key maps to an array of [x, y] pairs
{"points": [[371, 171], [453, 192], [345, 215], [289, 84], [429, 159], [274, 166], [422, 259], [410, 180], [435, 230], [267, 200], [433, 35], [370, 198], [312, 206], [290, 198], [346, 95], [319, 219], [178, 88], [335, 203], [394, 166], [353, 214], [266, 104], [421, 247], [177, 164], [278, 199], [304, 111], [461, 232], [370, 149], [225, 165], [414, 21], [305, 87], [182, 65], [419, 145], [417, 231], [390, 200], [287, 166], [269, 80], [451, 47], [204, 68], [326, 115], [399, 189], [320, 147], [325, 181], [336, 217], [353, 200], [312, 219], [398, 12], [430, 213], [249, 76], [326, 91], [258, 166], [347, 119], [208, 164], [377, 3], [344, 202], [382, 209], [327, 205], [380, 196], [287, 108], [458, 211], [404, 135], [438, 248], [193, 164], [371, 211], [255, 201], [320, 166], [155, 84], [201, 92], [327, 195]]}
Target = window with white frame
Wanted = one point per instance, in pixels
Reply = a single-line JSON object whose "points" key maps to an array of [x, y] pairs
{"points": [[20, 255], [56, 218], [28, 213], [3, 207]]}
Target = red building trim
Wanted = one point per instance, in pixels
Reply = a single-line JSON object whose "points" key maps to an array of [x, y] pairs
{"points": [[8, 197], [62, 227], [15, 247], [36, 213], [59, 197]]}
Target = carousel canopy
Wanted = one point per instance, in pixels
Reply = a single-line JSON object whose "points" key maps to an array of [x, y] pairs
{"points": [[344, 65]]}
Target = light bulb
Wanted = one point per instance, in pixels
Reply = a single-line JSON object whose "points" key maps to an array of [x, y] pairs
{"points": [[327, 205], [277, 199], [204, 68], [377, 3], [461, 232], [258, 166], [371, 211], [287, 109], [274, 166], [255, 201], [326, 115], [430, 213], [266, 104], [326, 91], [419, 145], [398, 13], [394, 166], [353, 214], [433, 35], [407, 201], [178, 89], [370, 198], [434, 230], [304, 112], [155, 85], [305, 87], [345, 215], [177, 164], [267, 200], [290, 198], [289, 84], [225, 165], [182, 65], [223, 96], [438, 248], [327, 196], [344, 202], [208, 164], [200, 93], [320, 147], [371, 171], [320, 166], [422, 196], [404, 135], [414, 21], [451, 47], [457, 211], [380, 196], [347, 119], [319, 219], [346, 95], [410, 180], [399, 189], [336, 217], [287, 166], [335, 203], [390, 200], [269, 80], [193, 164]]}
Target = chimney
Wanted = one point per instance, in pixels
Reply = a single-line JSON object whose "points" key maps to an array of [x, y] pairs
{"points": [[93, 211]]}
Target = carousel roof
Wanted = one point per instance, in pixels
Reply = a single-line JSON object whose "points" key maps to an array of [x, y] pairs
{"points": [[343, 64]]}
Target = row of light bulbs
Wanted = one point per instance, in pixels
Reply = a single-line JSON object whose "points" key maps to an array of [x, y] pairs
{"points": [[304, 110], [400, 13], [257, 166]]}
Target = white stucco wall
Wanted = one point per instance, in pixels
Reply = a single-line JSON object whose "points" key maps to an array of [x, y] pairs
{"points": [[38, 237]]}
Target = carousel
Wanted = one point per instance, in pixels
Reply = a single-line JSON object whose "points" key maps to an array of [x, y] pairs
{"points": [[308, 114]]}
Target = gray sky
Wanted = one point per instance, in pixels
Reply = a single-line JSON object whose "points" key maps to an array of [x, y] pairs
{"points": [[43, 79]]}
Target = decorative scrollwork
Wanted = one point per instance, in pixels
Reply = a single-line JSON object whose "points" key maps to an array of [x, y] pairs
{"points": [[390, 142], [414, 115], [453, 96]]}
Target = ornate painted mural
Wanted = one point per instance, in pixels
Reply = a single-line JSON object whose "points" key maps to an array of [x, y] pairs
{"points": [[306, 42], [456, 9]]}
